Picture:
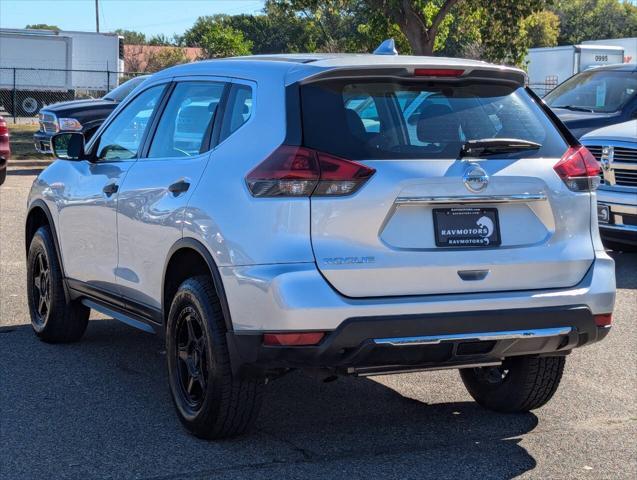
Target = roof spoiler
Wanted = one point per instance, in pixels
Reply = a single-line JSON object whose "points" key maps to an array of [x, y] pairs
{"points": [[487, 73]]}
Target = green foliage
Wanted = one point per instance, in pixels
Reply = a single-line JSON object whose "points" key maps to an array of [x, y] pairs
{"points": [[275, 32], [131, 37], [329, 25], [595, 19], [542, 29], [160, 40], [504, 39], [463, 39], [43, 26], [224, 41], [164, 58]]}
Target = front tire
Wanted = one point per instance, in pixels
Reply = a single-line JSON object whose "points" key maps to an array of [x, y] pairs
{"points": [[520, 384], [210, 400], [53, 319]]}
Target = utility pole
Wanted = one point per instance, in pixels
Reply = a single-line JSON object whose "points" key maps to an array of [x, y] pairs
{"points": [[97, 16]]}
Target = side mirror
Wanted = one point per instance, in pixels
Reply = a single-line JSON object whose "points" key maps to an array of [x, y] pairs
{"points": [[68, 146]]}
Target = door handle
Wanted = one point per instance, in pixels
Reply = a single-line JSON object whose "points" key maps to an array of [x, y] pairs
{"points": [[179, 187], [110, 188]]}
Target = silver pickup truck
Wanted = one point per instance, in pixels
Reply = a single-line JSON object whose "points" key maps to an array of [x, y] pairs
{"points": [[615, 147]]}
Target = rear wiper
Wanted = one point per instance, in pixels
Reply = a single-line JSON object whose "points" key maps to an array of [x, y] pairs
{"points": [[574, 108], [494, 146]]}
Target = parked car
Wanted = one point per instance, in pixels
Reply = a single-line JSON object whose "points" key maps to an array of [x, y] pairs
{"points": [[615, 147], [241, 208], [83, 116], [596, 98], [5, 149]]}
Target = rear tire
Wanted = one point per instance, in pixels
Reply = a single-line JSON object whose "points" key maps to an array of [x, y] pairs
{"points": [[28, 105], [210, 400], [520, 384], [53, 319]]}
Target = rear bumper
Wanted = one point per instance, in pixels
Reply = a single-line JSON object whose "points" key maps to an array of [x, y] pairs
{"points": [[375, 345], [295, 297], [622, 221], [383, 335]]}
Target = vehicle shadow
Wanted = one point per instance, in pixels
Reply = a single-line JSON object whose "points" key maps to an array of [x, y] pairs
{"points": [[101, 408], [625, 269]]}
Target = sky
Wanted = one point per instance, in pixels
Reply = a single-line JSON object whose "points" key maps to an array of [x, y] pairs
{"points": [[147, 16]]}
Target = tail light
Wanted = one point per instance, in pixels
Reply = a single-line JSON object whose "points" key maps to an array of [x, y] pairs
{"points": [[292, 171], [578, 169]]}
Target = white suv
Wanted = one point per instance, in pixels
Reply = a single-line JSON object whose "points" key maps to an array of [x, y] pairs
{"points": [[351, 214]]}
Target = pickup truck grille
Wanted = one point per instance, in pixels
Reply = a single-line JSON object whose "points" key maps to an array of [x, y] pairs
{"points": [[48, 122], [626, 178], [619, 164]]}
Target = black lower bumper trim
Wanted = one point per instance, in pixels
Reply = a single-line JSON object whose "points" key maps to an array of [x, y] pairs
{"points": [[352, 347]]}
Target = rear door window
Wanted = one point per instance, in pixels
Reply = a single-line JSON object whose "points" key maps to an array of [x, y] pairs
{"points": [[394, 120], [238, 110]]}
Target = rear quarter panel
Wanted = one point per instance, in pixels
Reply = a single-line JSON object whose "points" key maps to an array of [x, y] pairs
{"points": [[237, 228]]}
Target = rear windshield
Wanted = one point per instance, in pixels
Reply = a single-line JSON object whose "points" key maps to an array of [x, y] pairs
{"points": [[601, 91], [394, 120]]}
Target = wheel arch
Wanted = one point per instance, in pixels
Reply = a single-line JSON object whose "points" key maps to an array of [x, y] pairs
{"points": [[184, 261], [39, 215]]}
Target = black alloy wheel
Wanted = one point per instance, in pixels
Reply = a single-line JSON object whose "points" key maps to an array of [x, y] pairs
{"points": [[191, 358], [41, 288]]}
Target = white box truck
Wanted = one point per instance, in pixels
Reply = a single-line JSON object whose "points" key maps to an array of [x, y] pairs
{"points": [[40, 67], [628, 44], [550, 66]]}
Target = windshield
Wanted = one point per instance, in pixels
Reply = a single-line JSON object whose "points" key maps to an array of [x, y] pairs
{"points": [[118, 94], [380, 119], [602, 91]]}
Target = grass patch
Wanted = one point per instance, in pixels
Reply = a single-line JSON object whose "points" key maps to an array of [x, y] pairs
{"points": [[21, 140]]}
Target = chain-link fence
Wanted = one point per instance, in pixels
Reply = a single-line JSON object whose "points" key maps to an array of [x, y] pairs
{"points": [[24, 91], [543, 88]]}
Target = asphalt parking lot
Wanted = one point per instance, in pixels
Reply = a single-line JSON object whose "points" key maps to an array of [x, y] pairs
{"points": [[101, 408]]}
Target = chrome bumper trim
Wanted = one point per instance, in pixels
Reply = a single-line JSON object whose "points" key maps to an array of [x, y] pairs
{"points": [[618, 228], [522, 198], [482, 336]]}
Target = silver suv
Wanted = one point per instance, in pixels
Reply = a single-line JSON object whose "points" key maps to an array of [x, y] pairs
{"points": [[349, 214]]}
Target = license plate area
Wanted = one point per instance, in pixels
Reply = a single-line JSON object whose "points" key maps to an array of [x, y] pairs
{"points": [[466, 227]]}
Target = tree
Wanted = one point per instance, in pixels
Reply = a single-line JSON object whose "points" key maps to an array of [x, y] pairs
{"points": [[336, 25], [224, 41], [542, 29], [595, 20], [426, 23], [131, 37], [165, 57], [504, 39], [160, 40], [43, 26]]}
